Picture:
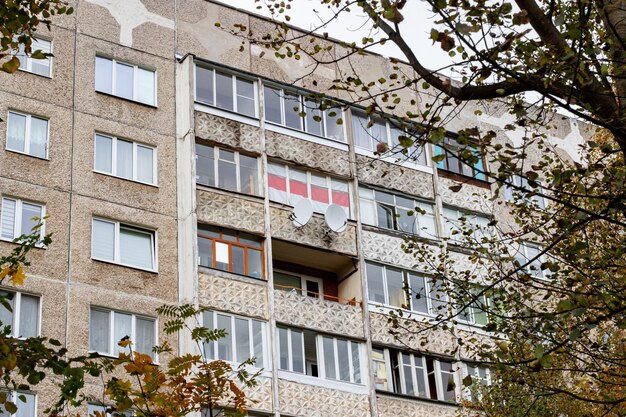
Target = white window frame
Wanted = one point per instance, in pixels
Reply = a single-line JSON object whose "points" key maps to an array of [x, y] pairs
{"points": [[264, 338], [13, 396], [537, 273], [45, 46], [290, 351], [321, 358], [329, 184], [18, 217], [27, 137], [414, 372], [441, 389], [237, 163], [303, 283], [465, 371], [214, 70], [116, 243], [113, 173], [135, 80], [539, 201], [113, 342], [17, 312], [471, 219], [302, 99]]}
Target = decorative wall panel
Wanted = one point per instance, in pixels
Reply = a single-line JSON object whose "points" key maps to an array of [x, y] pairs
{"points": [[307, 153], [396, 407], [315, 233], [469, 197], [314, 313], [388, 249], [411, 334], [228, 132], [238, 297], [395, 177], [260, 396], [309, 400], [230, 211]]}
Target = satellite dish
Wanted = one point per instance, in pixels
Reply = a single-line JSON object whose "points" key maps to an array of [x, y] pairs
{"points": [[336, 218], [301, 213]]}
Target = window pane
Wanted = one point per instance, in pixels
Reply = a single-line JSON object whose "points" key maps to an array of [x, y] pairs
{"points": [[99, 331], [242, 335], [104, 75], [417, 294], [25, 409], [104, 154], [29, 213], [381, 379], [395, 289], [124, 159], [136, 248], [8, 218], [207, 321], [144, 336], [257, 342], [367, 211], [6, 316], [379, 132], [145, 86], [297, 185], [16, 136], [102, 241], [225, 344], [221, 256], [248, 175], [124, 80], [255, 263], [227, 174], [437, 296], [329, 357], [272, 105], [406, 223], [245, 97], [360, 132], [313, 118], [29, 316], [297, 351], [205, 251], [204, 85], [287, 282], [292, 110], [145, 164], [385, 215], [343, 359], [122, 327], [277, 182], [283, 348], [334, 130], [41, 66], [238, 264], [375, 285], [407, 369], [205, 165], [224, 91], [38, 137]]}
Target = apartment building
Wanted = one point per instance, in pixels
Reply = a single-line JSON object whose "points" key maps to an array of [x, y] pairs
{"points": [[169, 163]]}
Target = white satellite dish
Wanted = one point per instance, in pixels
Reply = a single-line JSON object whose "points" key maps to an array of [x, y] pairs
{"points": [[301, 213], [336, 218]]}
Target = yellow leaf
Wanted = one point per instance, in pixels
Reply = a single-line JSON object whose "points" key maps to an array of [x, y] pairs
{"points": [[125, 342], [4, 272], [18, 276]]}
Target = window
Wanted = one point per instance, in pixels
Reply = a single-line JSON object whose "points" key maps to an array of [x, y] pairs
{"points": [[313, 287], [404, 289], [300, 112], [450, 159], [229, 170], [26, 403], [460, 226], [226, 91], [27, 134], [370, 131], [123, 244], [24, 317], [230, 250], [92, 409], [245, 338], [477, 310], [19, 218], [530, 256], [108, 327], [396, 212], [289, 185], [527, 194], [125, 80], [36, 66], [125, 159], [328, 357], [479, 376]]}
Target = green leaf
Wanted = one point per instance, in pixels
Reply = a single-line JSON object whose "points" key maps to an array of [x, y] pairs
{"points": [[539, 351], [11, 65]]}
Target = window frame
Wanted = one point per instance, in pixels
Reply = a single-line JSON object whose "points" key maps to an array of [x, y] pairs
{"points": [[235, 77], [302, 100], [19, 213], [478, 174], [27, 134], [321, 358], [13, 396], [116, 243], [16, 314], [537, 273], [458, 238], [303, 290], [265, 362], [112, 342], [290, 357], [28, 60], [309, 183], [237, 163], [136, 145], [467, 392], [230, 243], [373, 202], [538, 200], [136, 69]]}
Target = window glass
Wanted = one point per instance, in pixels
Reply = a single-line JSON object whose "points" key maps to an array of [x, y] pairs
{"points": [[255, 263], [297, 350], [292, 110], [283, 348], [227, 170], [36, 66], [418, 295], [207, 321], [205, 165], [124, 159], [385, 216], [438, 297], [204, 85], [360, 131], [230, 250], [124, 80], [406, 223], [31, 216], [238, 260], [136, 248], [38, 137], [99, 335], [6, 315], [395, 286], [343, 359], [145, 86], [375, 283], [104, 75], [248, 174], [287, 282], [122, 327], [16, 134], [313, 118], [257, 340], [103, 240], [145, 164], [25, 409], [242, 335], [224, 90], [144, 335], [27, 134], [104, 154], [334, 130], [9, 211], [329, 357], [277, 182], [378, 133], [127, 245], [221, 256], [272, 105], [407, 369], [381, 379], [297, 185], [224, 344], [245, 97], [356, 362]]}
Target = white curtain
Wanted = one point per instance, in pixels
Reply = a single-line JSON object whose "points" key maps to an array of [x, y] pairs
{"points": [[29, 316], [17, 132], [124, 159], [144, 335], [38, 137], [122, 327], [103, 240], [136, 248], [8, 218], [104, 154], [99, 331]]}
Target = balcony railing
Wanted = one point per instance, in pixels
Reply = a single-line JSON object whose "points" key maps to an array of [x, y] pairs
{"points": [[312, 294]]}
